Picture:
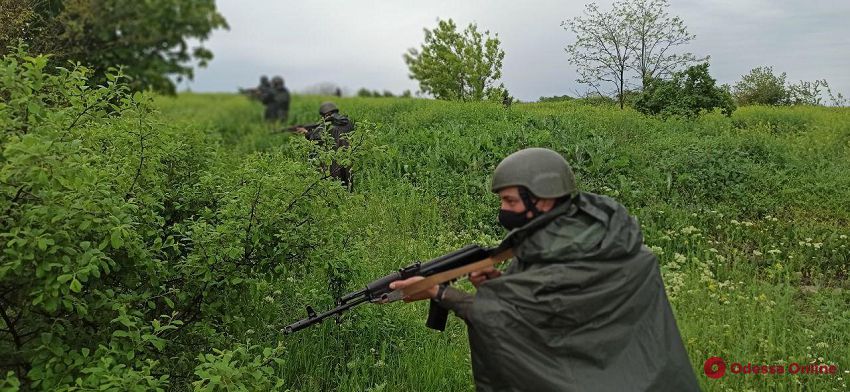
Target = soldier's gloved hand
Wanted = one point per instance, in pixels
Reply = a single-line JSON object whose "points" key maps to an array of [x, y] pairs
{"points": [[481, 276], [425, 294]]}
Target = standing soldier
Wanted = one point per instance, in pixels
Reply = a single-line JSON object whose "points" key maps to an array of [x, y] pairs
{"points": [[264, 87], [582, 307], [276, 98], [338, 126], [506, 99]]}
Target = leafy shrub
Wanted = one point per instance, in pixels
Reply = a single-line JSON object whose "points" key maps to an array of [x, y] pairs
{"points": [[761, 87], [687, 94], [125, 239]]}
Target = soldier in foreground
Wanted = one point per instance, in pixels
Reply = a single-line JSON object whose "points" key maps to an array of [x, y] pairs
{"points": [[336, 126], [581, 308], [276, 98]]}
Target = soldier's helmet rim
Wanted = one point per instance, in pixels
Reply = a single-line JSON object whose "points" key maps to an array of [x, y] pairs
{"points": [[542, 171], [328, 107]]}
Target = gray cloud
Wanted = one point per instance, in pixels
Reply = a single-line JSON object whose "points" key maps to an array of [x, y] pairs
{"points": [[360, 44]]}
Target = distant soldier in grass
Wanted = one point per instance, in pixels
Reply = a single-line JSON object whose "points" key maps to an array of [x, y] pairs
{"points": [[264, 86], [506, 99], [276, 98], [337, 126], [257, 92], [582, 307]]}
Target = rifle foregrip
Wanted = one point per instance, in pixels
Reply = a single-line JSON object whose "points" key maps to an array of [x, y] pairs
{"points": [[437, 316]]}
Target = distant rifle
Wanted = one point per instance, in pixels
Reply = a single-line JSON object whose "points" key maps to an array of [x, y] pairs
{"points": [[252, 93], [440, 270], [308, 127]]}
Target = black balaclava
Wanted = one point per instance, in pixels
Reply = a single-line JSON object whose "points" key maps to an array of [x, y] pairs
{"points": [[512, 220]]}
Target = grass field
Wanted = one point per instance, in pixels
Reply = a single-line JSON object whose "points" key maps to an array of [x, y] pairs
{"points": [[162, 243], [748, 215]]}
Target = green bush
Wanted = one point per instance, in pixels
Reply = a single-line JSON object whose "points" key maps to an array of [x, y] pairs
{"points": [[126, 239], [687, 94]]}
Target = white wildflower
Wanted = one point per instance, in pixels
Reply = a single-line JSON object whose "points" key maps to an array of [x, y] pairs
{"points": [[690, 230]]}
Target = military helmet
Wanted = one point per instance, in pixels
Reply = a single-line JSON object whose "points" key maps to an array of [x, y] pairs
{"points": [[544, 172], [264, 79], [327, 107], [277, 81]]}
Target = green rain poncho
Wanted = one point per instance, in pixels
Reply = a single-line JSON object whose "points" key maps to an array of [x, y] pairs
{"points": [[582, 308]]}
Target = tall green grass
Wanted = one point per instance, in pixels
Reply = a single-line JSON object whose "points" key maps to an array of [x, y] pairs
{"points": [[748, 215]]}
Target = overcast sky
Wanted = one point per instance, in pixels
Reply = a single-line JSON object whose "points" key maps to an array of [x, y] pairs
{"points": [[360, 43]]}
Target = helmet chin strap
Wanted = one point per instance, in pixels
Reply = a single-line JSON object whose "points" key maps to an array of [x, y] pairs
{"points": [[526, 199]]}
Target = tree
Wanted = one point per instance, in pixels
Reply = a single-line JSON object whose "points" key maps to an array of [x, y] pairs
{"points": [[657, 35], [603, 48], [812, 93], [636, 35], [455, 66], [687, 94], [147, 38], [761, 87]]}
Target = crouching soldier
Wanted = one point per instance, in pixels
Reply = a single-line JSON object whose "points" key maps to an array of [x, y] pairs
{"points": [[582, 307], [336, 126]]}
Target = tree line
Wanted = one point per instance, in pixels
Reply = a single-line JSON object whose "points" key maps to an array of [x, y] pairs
{"points": [[634, 52]]}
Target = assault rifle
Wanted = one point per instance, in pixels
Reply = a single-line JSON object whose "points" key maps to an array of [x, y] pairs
{"points": [[252, 93], [308, 127], [442, 269]]}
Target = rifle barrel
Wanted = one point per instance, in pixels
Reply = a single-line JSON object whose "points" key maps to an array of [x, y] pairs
{"points": [[301, 324]]}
